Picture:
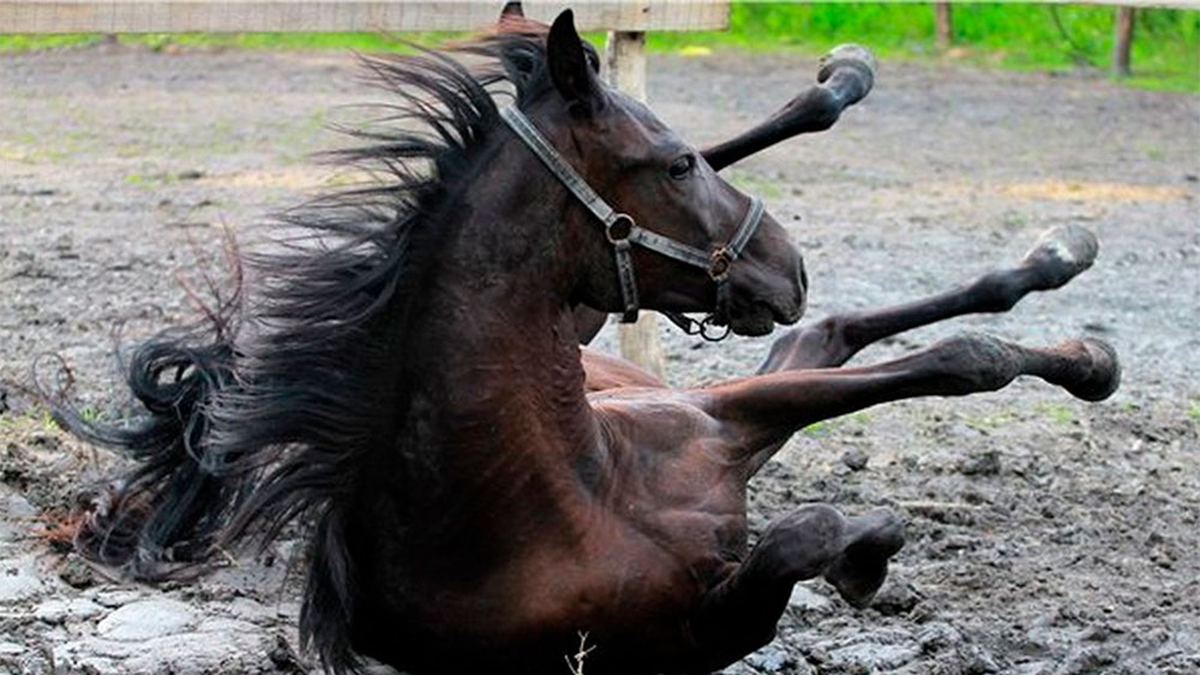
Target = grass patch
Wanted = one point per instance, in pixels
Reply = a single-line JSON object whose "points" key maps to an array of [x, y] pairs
{"points": [[989, 423], [816, 429], [1057, 412], [754, 183], [824, 427], [1165, 53]]}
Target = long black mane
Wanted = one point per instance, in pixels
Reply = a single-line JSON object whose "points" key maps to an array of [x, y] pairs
{"points": [[263, 411]]}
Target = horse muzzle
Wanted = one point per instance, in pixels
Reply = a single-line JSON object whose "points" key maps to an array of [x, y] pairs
{"points": [[766, 300]]}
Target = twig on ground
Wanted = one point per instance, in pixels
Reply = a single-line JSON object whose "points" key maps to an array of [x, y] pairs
{"points": [[584, 650]]}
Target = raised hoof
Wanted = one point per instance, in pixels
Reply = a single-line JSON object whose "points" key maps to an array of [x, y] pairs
{"points": [[1061, 253], [853, 56], [861, 568], [1104, 374]]}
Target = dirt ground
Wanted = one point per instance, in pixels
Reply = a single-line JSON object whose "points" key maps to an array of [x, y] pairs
{"points": [[1046, 536]]}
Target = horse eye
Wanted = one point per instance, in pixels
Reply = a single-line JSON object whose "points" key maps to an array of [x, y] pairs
{"points": [[682, 167]]}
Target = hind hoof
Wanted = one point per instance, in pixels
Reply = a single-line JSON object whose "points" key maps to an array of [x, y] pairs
{"points": [[860, 570], [1061, 253], [1104, 373]]}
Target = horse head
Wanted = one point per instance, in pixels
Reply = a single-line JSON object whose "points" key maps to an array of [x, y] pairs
{"points": [[685, 239]]}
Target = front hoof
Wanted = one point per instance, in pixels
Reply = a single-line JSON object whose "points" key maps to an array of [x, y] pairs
{"points": [[1104, 373], [855, 57], [860, 570], [1061, 253]]}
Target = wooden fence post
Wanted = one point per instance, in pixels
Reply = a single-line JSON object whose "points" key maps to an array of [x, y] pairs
{"points": [[943, 24], [625, 61], [1123, 41]]}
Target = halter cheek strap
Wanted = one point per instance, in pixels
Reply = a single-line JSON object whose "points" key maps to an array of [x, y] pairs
{"points": [[623, 233]]}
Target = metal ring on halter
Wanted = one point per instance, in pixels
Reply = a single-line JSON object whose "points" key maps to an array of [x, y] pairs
{"points": [[614, 231], [713, 336]]}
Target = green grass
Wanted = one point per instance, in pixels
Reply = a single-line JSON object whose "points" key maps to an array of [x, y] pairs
{"points": [[1057, 412], [1166, 47]]}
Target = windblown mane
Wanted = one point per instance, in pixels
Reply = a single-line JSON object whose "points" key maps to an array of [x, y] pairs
{"points": [[262, 412]]}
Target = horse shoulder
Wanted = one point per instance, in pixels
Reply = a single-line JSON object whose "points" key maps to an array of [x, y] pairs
{"points": [[672, 482]]}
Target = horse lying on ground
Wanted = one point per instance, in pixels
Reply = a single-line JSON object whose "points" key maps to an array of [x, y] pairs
{"points": [[406, 380]]}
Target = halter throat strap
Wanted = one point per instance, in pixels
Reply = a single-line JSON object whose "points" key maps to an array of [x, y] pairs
{"points": [[623, 232]]}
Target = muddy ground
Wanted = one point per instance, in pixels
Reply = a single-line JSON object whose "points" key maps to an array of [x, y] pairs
{"points": [[1047, 536]]}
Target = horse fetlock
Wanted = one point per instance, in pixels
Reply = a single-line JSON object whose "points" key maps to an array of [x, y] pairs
{"points": [[976, 362], [802, 544], [996, 293]]}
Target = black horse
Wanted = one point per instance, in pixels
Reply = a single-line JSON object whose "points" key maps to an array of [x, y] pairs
{"points": [[404, 378]]}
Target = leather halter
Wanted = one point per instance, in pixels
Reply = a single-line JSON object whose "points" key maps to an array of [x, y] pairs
{"points": [[623, 233]]}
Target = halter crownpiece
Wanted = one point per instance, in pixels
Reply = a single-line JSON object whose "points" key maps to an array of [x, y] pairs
{"points": [[622, 232]]}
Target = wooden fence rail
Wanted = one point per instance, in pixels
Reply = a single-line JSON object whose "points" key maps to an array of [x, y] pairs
{"points": [[224, 16]]}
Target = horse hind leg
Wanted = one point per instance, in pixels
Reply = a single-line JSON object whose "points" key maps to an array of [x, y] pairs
{"points": [[740, 614], [1058, 256]]}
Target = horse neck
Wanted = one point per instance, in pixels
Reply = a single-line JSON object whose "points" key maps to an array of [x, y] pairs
{"points": [[496, 386]]}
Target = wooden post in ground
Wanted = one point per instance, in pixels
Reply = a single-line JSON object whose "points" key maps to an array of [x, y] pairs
{"points": [[1123, 41], [625, 61], [943, 25]]}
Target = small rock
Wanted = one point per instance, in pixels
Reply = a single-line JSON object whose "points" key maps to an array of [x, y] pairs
{"points": [[976, 661], [284, 657], [76, 572], [1088, 660], [986, 463], [770, 660], [18, 579], [57, 611], [146, 619], [896, 597], [872, 657], [855, 459], [114, 597], [1096, 633], [807, 600], [937, 636]]}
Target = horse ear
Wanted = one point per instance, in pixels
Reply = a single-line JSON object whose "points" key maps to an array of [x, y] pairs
{"points": [[512, 9], [569, 67]]}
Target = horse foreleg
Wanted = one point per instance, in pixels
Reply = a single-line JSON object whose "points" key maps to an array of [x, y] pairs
{"points": [[1059, 254], [845, 76], [739, 614], [762, 412]]}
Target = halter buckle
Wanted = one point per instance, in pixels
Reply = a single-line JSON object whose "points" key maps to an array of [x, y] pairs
{"points": [[720, 261]]}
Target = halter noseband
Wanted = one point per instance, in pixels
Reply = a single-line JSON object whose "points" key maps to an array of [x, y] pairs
{"points": [[622, 232]]}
